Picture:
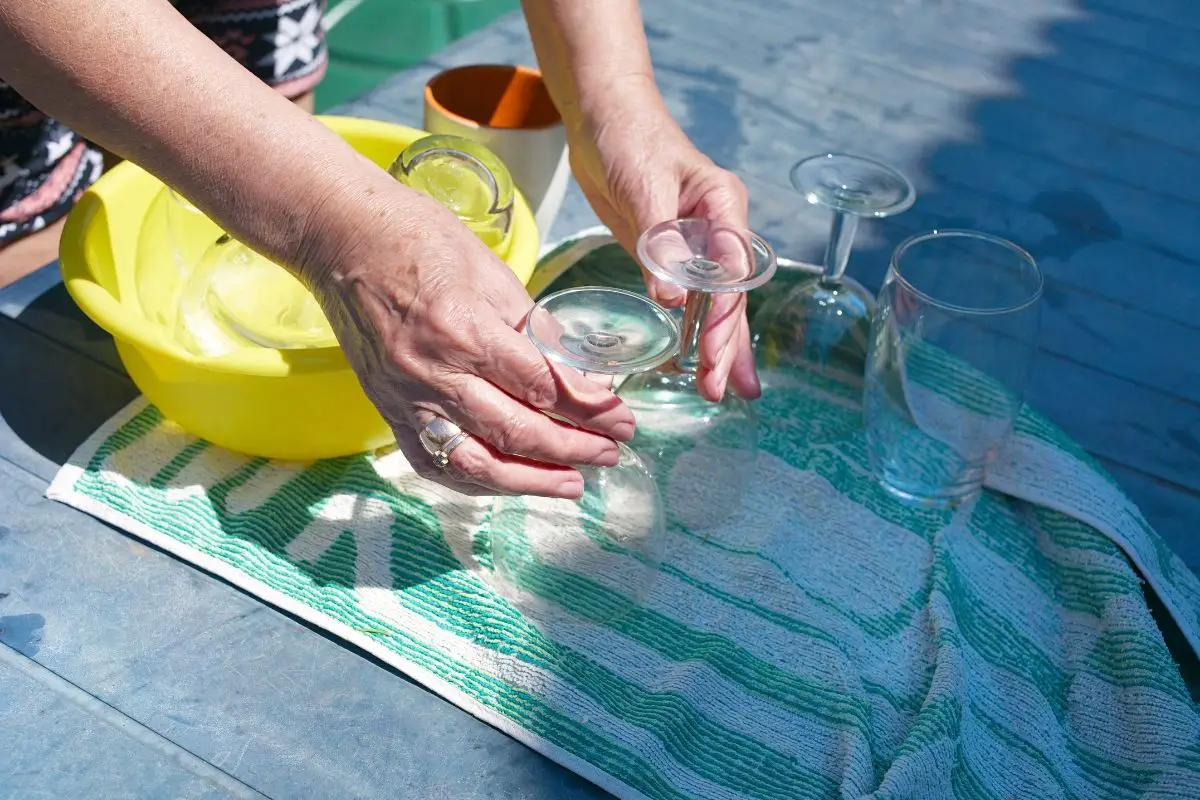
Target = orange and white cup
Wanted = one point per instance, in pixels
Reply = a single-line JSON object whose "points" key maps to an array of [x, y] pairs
{"points": [[508, 110]]}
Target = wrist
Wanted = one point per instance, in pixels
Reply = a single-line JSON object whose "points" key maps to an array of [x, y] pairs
{"points": [[349, 222], [602, 101]]}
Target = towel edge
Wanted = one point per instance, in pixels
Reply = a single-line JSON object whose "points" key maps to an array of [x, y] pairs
{"points": [[62, 490]]}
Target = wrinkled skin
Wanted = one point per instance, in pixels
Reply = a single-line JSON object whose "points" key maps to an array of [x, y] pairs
{"points": [[431, 320]]}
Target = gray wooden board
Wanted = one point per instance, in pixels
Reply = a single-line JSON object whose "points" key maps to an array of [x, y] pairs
{"points": [[1070, 126], [84, 756]]}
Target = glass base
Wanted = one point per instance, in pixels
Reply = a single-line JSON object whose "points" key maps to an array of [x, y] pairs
{"points": [[931, 498], [596, 558], [852, 184], [817, 323], [702, 454]]}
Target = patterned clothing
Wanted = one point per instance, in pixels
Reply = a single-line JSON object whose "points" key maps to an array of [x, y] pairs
{"points": [[45, 166]]}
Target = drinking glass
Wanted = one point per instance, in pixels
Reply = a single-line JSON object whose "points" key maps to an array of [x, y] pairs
{"points": [[703, 453], [597, 556], [236, 298], [816, 316], [174, 237], [464, 176], [952, 344]]}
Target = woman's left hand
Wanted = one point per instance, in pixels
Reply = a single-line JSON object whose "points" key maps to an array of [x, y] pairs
{"points": [[638, 168]]}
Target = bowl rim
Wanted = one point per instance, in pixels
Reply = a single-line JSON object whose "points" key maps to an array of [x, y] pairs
{"points": [[132, 328]]}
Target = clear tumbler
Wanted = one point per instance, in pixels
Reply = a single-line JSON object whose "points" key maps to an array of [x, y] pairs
{"points": [[953, 340]]}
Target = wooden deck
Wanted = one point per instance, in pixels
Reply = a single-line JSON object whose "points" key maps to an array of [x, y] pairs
{"points": [[1070, 126]]}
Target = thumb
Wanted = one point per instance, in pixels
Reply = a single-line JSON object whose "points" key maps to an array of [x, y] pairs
{"points": [[660, 206]]}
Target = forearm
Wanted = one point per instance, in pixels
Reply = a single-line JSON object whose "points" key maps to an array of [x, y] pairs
{"points": [[591, 53], [140, 81]]}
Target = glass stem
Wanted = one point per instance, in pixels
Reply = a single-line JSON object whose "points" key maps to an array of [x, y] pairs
{"points": [[695, 311], [837, 252]]}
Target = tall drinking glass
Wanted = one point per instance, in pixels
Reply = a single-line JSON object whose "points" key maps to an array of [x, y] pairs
{"points": [[953, 339], [235, 298], [466, 178]]}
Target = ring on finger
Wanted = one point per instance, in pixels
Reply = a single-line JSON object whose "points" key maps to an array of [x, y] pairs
{"points": [[439, 437]]}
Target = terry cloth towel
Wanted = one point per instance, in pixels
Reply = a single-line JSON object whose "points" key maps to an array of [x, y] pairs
{"points": [[821, 642]]}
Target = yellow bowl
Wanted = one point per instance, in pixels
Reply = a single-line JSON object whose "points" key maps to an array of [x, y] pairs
{"points": [[286, 404]]}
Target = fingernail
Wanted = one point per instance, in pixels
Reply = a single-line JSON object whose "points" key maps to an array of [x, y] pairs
{"points": [[755, 386], [669, 293], [571, 488], [608, 457], [623, 431]]}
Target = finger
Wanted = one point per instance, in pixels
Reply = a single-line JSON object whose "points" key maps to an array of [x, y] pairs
{"points": [[515, 429], [474, 466], [720, 325], [743, 373], [600, 379], [732, 249], [728, 203], [665, 294], [513, 364], [667, 247], [422, 463], [720, 340], [712, 381]]}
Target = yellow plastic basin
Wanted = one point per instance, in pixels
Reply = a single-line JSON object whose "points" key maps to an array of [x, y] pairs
{"points": [[285, 404]]}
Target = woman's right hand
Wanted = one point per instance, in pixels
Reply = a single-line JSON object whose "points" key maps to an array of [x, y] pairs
{"points": [[430, 321]]}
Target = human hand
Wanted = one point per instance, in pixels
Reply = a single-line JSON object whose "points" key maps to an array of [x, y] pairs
{"points": [[428, 318], [637, 168]]}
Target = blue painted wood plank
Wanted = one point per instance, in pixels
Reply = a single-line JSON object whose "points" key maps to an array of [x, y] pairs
{"points": [[55, 749], [1123, 423], [1146, 38], [951, 41], [51, 398], [846, 101], [18, 296], [1164, 12], [1173, 510], [53, 314]]}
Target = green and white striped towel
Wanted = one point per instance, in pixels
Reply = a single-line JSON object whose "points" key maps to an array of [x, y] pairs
{"points": [[823, 642]]}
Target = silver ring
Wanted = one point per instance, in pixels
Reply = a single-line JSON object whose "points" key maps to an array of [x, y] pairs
{"points": [[439, 437]]}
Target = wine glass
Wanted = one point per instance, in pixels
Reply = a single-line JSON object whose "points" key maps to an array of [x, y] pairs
{"points": [[813, 320], [235, 298], [172, 241], [703, 453], [597, 556]]}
